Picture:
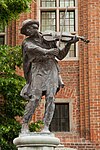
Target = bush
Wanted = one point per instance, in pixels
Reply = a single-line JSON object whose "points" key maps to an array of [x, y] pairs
{"points": [[36, 126], [10, 87]]}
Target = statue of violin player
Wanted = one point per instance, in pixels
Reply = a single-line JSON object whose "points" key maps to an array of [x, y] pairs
{"points": [[41, 70]]}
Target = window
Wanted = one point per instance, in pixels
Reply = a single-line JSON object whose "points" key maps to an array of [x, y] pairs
{"points": [[60, 121], [64, 3], [52, 14], [47, 17], [48, 3], [2, 34], [69, 24]]}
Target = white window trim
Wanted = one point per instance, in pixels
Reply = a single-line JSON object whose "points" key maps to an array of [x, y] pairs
{"points": [[67, 58]]}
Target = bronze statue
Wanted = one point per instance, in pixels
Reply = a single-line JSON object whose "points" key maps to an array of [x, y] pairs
{"points": [[41, 71]]}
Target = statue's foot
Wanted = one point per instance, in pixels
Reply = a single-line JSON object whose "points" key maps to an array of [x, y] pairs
{"points": [[25, 128], [45, 130]]}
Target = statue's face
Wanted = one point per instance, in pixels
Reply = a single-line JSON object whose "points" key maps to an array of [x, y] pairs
{"points": [[30, 31]]}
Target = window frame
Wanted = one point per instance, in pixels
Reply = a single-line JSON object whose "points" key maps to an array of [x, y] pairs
{"points": [[49, 11], [5, 35], [57, 9], [60, 119], [71, 124]]}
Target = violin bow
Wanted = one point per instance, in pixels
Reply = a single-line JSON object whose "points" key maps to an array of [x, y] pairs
{"points": [[63, 25]]}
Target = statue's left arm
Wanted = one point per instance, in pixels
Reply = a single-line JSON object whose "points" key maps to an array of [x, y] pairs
{"points": [[64, 51]]}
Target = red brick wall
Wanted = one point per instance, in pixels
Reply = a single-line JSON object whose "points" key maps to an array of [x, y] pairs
{"points": [[84, 74], [70, 75], [89, 66], [81, 78], [94, 69]]}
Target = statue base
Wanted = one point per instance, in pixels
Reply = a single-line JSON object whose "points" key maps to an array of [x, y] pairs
{"points": [[36, 141]]}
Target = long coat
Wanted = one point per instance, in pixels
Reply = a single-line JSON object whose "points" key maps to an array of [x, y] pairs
{"points": [[40, 66]]}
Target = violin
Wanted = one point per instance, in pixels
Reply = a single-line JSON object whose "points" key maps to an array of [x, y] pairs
{"points": [[51, 36]]}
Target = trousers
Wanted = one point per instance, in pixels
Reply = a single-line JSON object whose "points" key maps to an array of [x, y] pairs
{"points": [[33, 104]]}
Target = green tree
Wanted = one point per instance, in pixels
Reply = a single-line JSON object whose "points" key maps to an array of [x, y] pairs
{"points": [[10, 87], [10, 9]]}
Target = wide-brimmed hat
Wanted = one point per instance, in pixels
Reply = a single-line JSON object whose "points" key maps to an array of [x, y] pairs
{"points": [[27, 22]]}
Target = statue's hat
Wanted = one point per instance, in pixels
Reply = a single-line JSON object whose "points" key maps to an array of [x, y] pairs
{"points": [[27, 22]]}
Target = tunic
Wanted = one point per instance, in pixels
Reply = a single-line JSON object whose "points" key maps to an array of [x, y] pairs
{"points": [[40, 67]]}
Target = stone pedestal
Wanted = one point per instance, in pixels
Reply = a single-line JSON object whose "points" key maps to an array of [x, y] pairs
{"points": [[36, 141]]}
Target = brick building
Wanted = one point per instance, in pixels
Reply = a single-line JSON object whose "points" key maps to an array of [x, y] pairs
{"points": [[77, 114]]}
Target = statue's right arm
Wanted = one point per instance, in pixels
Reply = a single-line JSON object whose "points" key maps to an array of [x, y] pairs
{"points": [[31, 48]]}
